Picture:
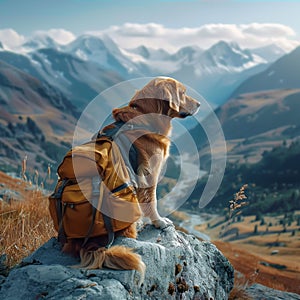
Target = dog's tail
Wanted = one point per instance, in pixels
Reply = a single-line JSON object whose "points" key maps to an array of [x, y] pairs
{"points": [[116, 257]]}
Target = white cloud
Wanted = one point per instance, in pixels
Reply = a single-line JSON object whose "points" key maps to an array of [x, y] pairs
{"points": [[139, 30], [10, 38], [267, 30], [61, 36], [154, 35], [13, 40]]}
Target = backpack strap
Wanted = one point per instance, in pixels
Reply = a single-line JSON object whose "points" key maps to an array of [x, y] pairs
{"points": [[96, 195], [127, 149]]}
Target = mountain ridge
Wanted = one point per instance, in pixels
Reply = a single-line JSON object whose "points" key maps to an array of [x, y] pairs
{"points": [[223, 66], [282, 74]]}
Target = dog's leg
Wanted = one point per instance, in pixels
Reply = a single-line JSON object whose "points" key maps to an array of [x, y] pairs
{"points": [[148, 203]]}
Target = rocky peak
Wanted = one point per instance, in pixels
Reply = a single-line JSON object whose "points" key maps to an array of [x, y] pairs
{"points": [[178, 266]]}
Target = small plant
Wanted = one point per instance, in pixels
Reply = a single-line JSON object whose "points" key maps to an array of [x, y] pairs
{"points": [[235, 206], [238, 202], [24, 167], [241, 283]]}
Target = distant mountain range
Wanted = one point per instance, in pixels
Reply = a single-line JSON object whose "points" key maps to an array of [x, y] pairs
{"points": [[89, 64]]}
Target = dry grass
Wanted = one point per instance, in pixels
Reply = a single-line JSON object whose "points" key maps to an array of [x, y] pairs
{"points": [[239, 292], [25, 223], [248, 264]]}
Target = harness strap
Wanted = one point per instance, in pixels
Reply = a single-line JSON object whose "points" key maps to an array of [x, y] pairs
{"points": [[121, 187], [108, 225]]}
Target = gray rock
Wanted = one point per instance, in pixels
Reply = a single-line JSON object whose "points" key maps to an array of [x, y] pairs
{"points": [[179, 266], [3, 267], [261, 292]]}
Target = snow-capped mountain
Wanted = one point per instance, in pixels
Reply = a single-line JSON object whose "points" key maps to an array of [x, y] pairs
{"points": [[228, 56], [270, 53], [150, 53], [188, 54], [39, 42], [217, 71], [80, 81], [104, 52], [220, 57], [89, 64], [214, 72]]}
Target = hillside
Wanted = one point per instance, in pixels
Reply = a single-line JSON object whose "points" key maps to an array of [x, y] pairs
{"points": [[36, 121], [283, 74], [259, 121], [273, 185]]}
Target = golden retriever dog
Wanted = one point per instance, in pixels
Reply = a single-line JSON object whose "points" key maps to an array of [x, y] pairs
{"points": [[153, 107]]}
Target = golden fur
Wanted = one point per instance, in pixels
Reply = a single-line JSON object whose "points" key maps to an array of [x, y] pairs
{"points": [[153, 106]]}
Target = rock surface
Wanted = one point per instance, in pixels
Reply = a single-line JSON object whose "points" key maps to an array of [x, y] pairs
{"points": [[261, 292], [179, 266]]}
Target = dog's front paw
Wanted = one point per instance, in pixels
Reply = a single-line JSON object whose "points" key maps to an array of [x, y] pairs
{"points": [[162, 223]]}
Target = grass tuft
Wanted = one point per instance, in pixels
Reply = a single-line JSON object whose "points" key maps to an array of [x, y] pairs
{"points": [[25, 223]]}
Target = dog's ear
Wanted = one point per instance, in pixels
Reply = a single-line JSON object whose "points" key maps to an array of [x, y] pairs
{"points": [[124, 114], [174, 100], [169, 91]]}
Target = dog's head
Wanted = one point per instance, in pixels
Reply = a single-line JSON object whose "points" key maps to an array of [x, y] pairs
{"points": [[162, 95], [170, 96]]}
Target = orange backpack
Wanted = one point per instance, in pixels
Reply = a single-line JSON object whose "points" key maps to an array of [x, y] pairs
{"points": [[95, 194]]}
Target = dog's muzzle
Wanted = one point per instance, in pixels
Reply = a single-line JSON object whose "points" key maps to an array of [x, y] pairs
{"points": [[189, 111]]}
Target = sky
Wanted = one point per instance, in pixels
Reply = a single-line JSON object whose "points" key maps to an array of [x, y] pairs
{"points": [[168, 24]]}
